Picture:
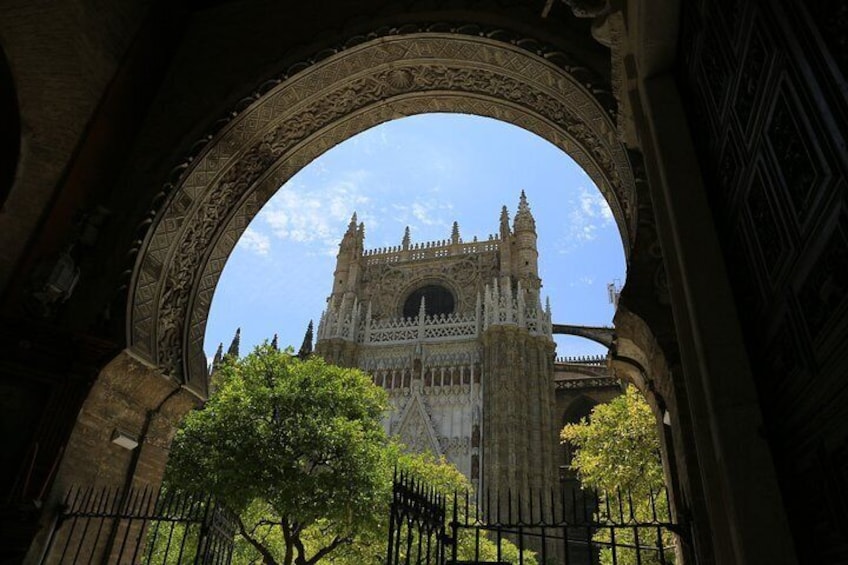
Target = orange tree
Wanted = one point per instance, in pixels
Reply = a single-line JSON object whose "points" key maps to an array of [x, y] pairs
{"points": [[617, 450], [293, 447]]}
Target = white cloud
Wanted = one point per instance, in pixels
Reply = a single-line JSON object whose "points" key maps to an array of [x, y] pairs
{"points": [[424, 213], [589, 214], [255, 241], [318, 216]]}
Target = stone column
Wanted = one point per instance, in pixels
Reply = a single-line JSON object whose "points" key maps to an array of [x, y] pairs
{"points": [[743, 502], [518, 442]]}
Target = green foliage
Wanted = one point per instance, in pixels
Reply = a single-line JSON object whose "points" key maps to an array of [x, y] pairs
{"points": [[446, 479], [289, 445], [169, 542], [297, 450], [618, 447], [618, 450]]}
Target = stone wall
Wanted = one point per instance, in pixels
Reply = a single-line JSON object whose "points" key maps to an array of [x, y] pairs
{"points": [[131, 399], [62, 56]]}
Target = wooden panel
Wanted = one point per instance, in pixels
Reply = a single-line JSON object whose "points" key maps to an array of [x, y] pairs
{"points": [[766, 93]]}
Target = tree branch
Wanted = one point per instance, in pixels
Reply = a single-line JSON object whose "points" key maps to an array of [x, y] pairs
{"points": [[266, 555], [287, 535], [337, 541]]}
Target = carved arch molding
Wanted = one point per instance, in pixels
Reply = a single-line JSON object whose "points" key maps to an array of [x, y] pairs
{"points": [[324, 102]]}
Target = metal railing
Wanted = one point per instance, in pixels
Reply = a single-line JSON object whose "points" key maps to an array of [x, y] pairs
{"points": [[108, 525], [416, 524], [568, 526]]}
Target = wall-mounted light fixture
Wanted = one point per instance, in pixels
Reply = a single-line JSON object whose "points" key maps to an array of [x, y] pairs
{"points": [[124, 439]]}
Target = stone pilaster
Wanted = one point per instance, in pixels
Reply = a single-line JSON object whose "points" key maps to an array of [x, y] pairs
{"points": [[518, 427]]}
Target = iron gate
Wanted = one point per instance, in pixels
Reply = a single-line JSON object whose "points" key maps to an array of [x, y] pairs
{"points": [[416, 524], [109, 525], [569, 526]]}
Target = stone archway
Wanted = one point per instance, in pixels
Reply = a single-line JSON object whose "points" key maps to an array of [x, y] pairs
{"points": [[370, 81]]}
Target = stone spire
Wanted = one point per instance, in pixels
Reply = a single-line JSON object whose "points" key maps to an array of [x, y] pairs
{"points": [[406, 239], [347, 260], [523, 217], [233, 350], [352, 235], [505, 223], [455, 233], [306, 346], [525, 258], [219, 357]]}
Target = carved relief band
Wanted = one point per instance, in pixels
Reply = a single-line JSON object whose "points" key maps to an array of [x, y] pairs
{"points": [[322, 105]]}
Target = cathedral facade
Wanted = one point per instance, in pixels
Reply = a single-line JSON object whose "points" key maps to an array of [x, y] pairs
{"points": [[456, 333]]}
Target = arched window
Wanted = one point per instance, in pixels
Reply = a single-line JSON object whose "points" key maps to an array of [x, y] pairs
{"points": [[437, 300]]}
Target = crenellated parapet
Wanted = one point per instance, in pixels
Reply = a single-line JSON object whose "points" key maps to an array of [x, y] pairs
{"points": [[430, 250], [593, 360]]}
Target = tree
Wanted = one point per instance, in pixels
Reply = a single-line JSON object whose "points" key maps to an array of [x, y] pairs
{"points": [[369, 545], [617, 452], [294, 447]]}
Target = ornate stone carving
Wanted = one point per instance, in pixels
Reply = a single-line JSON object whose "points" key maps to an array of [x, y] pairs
{"points": [[313, 109], [591, 382], [415, 429], [386, 286]]}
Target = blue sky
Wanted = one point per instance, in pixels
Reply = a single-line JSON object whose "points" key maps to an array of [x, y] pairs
{"points": [[423, 172]]}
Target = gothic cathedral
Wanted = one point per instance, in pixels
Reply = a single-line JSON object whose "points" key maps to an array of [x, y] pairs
{"points": [[456, 333]]}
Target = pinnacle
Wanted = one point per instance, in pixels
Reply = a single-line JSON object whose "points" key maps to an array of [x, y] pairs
{"points": [[504, 223], [523, 217], [233, 350], [306, 347], [219, 356], [522, 202]]}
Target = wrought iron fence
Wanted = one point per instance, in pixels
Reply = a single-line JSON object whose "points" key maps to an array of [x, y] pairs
{"points": [[568, 526], [109, 525], [416, 524]]}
